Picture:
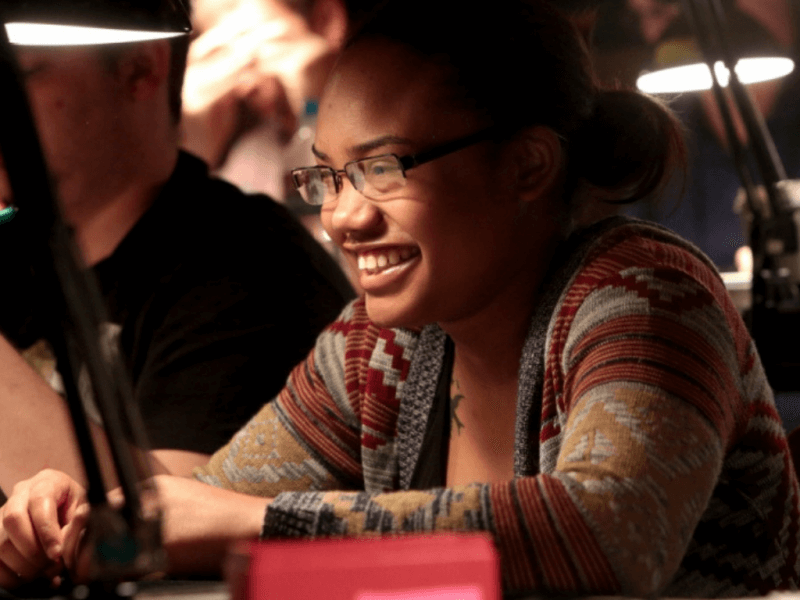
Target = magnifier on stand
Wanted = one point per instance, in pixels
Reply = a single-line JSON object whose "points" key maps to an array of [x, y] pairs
{"points": [[772, 207], [125, 542]]}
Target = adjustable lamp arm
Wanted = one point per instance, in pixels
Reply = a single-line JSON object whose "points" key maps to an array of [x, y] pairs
{"points": [[774, 227], [30, 181], [72, 324], [709, 21]]}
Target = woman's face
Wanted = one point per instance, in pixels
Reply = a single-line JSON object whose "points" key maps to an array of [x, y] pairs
{"points": [[456, 238]]}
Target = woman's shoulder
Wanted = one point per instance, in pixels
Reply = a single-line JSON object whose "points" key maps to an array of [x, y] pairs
{"points": [[624, 246], [651, 305], [632, 270]]}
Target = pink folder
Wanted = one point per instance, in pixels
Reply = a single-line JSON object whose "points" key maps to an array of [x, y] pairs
{"points": [[433, 567]]}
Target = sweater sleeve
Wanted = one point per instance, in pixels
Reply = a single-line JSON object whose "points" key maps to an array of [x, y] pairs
{"points": [[308, 438], [642, 436]]}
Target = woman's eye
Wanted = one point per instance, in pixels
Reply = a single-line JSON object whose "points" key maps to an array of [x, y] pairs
{"points": [[382, 168]]}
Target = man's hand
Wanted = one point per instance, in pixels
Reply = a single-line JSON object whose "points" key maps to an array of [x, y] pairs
{"points": [[41, 526], [254, 60]]}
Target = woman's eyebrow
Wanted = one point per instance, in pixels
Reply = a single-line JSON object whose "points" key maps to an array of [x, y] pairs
{"points": [[387, 140], [359, 150], [317, 153]]}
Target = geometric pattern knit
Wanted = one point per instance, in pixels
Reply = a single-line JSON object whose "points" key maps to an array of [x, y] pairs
{"points": [[660, 462]]}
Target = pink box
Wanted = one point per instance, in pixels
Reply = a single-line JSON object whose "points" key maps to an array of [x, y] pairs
{"points": [[430, 567]]}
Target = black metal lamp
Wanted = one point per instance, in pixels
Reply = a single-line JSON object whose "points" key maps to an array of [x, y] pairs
{"points": [[679, 63], [85, 22], [126, 541], [774, 216]]}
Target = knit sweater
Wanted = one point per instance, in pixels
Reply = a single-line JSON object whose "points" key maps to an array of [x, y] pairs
{"points": [[649, 456]]}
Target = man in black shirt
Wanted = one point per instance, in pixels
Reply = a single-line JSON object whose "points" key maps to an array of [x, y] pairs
{"points": [[213, 295]]}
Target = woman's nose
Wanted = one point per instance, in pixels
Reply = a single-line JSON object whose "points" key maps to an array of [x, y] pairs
{"points": [[351, 214]]}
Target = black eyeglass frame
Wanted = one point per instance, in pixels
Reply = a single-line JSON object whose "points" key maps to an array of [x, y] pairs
{"points": [[407, 162]]}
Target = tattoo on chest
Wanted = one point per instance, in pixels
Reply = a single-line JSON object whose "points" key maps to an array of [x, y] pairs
{"points": [[455, 399]]}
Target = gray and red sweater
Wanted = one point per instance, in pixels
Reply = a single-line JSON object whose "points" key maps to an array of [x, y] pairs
{"points": [[650, 458]]}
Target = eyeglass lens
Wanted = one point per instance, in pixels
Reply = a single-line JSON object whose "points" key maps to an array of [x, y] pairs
{"points": [[373, 177], [376, 176], [315, 184]]}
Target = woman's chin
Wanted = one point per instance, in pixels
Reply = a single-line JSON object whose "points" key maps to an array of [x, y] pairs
{"points": [[390, 312]]}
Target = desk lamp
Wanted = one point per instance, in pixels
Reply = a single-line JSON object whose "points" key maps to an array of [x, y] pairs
{"points": [[774, 217], [679, 63], [126, 541], [92, 22]]}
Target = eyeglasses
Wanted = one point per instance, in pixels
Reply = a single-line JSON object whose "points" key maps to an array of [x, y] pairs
{"points": [[376, 176]]}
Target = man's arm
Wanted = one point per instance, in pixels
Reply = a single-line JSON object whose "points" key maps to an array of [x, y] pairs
{"points": [[36, 428], [37, 433]]}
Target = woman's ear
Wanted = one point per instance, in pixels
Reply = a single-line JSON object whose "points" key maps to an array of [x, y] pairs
{"points": [[539, 161], [144, 68]]}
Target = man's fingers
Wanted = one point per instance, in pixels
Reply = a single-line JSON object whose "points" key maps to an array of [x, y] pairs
{"points": [[20, 550], [242, 30], [19, 538], [73, 533], [21, 556], [220, 37], [46, 525]]}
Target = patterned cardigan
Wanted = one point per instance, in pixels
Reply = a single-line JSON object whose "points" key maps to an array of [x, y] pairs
{"points": [[649, 456]]}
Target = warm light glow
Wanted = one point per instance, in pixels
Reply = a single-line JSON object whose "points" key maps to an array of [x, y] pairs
{"points": [[697, 77], [41, 34]]}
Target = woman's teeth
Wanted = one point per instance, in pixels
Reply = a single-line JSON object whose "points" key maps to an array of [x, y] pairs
{"points": [[376, 261]]}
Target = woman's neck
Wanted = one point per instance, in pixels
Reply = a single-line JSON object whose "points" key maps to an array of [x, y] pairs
{"points": [[489, 341], [488, 344], [483, 397]]}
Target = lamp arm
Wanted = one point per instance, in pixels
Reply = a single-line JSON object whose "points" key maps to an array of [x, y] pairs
{"points": [[773, 231], [738, 150], [709, 21], [72, 326], [774, 226], [769, 161], [711, 40]]}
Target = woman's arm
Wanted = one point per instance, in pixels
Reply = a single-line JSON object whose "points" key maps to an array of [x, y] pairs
{"points": [[614, 517], [201, 522], [650, 376]]}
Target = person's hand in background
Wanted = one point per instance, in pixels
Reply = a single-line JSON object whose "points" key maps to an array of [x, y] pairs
{"points": [[259, 60], [41, 526]]}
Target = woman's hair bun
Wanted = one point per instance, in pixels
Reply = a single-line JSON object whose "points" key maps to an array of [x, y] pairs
{"points": [[629, 146]]}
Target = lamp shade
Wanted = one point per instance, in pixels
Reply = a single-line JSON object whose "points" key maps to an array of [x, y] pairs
{"points": [[83, 22], [678, 63]]}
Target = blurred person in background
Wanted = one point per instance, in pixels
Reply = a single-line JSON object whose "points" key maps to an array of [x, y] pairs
{"points": [[212, 295], [254, 75], [251, 71]]}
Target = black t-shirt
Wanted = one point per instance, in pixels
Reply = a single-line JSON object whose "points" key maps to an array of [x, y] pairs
{"points": [[214, 296]]}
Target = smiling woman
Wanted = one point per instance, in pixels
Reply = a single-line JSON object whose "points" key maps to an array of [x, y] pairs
{"points": [[581, 388]]}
